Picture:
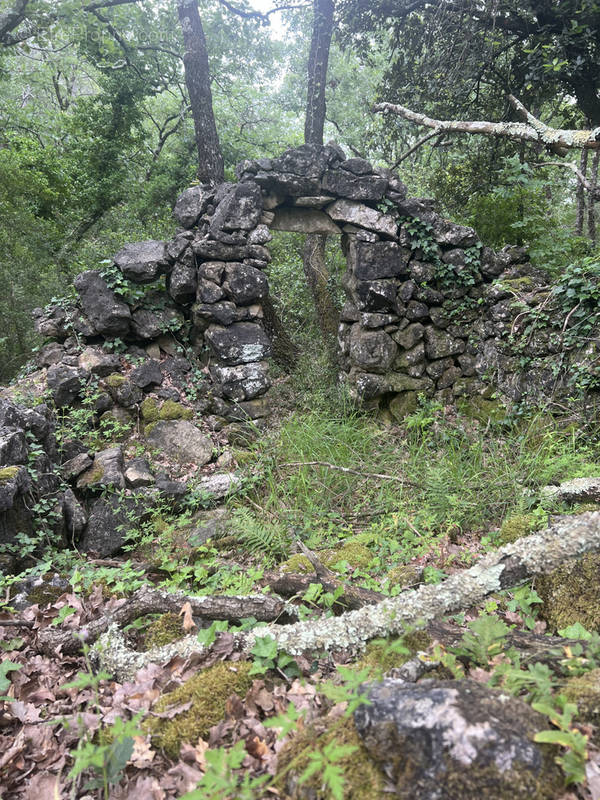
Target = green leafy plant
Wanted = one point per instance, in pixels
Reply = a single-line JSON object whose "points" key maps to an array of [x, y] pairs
{"points": [[484, 640], [561, 714], [266, 656]]}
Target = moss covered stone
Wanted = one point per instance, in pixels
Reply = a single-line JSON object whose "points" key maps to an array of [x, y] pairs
{"points": [[584, 691], [355, 553], [481, 409], [45, 594], [8, 473], [208, 692], [362, 778], [167, 628], [172, 410], [382, 655], [404, 575], [298, 564], [516, 527], [403, 405], [570, 594], [149, 409], [115, 380]]}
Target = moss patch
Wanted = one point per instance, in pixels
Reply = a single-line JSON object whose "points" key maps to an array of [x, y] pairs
{"points": [[481, 409], [167, 628], [355, 553], [8, 473], [584, 691], [45, 594], [570, 594], [297, 563], [362, 779], [403, 405], [115, 380], [516, 527], [172, 410], [404, 575], [381, 656], [149, 409], [208, 691]]}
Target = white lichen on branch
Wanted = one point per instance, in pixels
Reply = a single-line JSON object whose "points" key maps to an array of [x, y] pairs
{"points": [[532, 555]]}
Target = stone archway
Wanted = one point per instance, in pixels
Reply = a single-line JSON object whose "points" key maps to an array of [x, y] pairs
{"points": [[428, 309]]}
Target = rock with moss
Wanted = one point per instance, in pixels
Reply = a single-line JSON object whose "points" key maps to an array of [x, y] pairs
{"points": [[515, 527], [297, 564], [402, 405], [451, 739], [8, 474], [355, 553], [181, 441], [482, 409], [115, 380], [382, 655], [584, 691], [570, 594], [172, 410], [362, 779], [167, 628], [149, 409], [208, 692], [404, 575]]}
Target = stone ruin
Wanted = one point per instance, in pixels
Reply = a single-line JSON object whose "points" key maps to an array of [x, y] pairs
{"points": [[428, 311]]}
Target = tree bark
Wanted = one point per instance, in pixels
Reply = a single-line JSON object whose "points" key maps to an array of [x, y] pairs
{"points": [[148, 600], [532, 130], [313, 258], [501, 569], [592, 198], [579, 221], [197, 79]]}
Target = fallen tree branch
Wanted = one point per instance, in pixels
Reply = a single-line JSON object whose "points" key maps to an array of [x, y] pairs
{"points": [[290, 584], [416, 146], [149, 600], [501, 569], [532, 130], [379, 475]]}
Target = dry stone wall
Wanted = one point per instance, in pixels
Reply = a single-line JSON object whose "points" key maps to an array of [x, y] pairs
{"points": [[428, 309]]}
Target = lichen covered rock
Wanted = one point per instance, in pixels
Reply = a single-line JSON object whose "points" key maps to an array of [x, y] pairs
{"points": [[439, 740]]}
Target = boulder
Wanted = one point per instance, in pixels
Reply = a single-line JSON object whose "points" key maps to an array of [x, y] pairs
{"points": [[143, 262], [303, 220], [137, 473], [244, 285], [74, 516], [372, 261], [439, 344], [15, 514], [97, 362], [218, 485], [344, 184], [239, 343], [146, 374], [191, 204], [379, 295], [53, 323], [183, 282], [147, 324], [439, 740], [242, 382], [364, 216], [75, 466], [108, 315], [107, 470], [65, 383], [372, 350], [111, 519], [180, 440], [240, 209], [13, 446]]}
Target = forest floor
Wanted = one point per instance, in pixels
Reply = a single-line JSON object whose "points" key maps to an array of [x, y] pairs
{"points": [[380, 508]]}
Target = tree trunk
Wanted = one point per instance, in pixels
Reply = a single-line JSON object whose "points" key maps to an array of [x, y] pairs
{"points": [[315, 267], [592, 199], [581, 195], [317, 70], [197, 80]]}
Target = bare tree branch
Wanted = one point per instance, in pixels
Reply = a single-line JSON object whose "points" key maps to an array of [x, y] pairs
{"points": [[583, 181], [533, 130]]}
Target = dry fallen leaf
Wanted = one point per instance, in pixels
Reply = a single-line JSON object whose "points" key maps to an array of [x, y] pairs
{"points": [[143, 754], [188, 620]]}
